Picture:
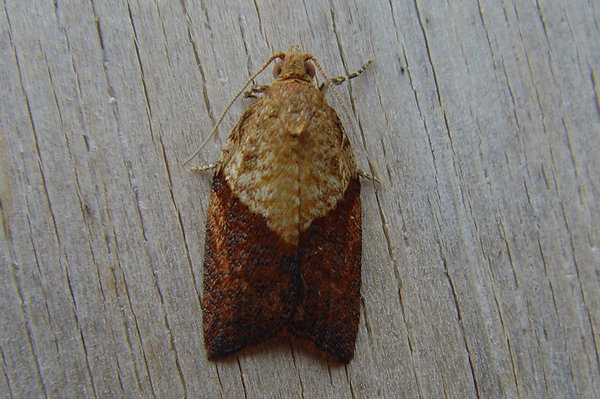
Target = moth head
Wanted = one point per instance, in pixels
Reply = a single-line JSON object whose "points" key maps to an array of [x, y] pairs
{"points": [[294, 65]]}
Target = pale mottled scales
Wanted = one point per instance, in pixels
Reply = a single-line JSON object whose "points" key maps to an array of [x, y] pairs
{"points": [[289, 161]]}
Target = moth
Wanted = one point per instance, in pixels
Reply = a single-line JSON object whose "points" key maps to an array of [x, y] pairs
{"points": [[284, 229]]}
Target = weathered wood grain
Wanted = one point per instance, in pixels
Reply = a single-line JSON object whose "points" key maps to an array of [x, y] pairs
{"points": [[481, 247]]}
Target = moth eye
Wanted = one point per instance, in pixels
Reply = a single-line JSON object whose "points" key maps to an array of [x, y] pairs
{"points": [[310, 69], [277, 69]]}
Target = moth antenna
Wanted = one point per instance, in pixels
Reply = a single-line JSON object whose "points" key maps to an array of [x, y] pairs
{"points": [[337, 95], [239, 93], [329, 83]]}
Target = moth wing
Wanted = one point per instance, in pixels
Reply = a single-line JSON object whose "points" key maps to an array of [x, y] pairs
{"points": [[330, 261], [251, 277]]}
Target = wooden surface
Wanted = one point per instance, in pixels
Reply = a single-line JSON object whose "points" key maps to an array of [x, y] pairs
{"points": [[481, 247]]}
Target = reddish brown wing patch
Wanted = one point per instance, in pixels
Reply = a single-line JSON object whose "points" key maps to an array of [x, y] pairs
{"points": [[330, 252], [252, 279]]}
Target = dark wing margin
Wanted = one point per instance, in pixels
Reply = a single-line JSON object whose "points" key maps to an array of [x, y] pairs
{"points": [[252, 282], [330, 263]]}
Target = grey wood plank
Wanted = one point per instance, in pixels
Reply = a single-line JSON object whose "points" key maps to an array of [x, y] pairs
{"points": [[481, 245]]}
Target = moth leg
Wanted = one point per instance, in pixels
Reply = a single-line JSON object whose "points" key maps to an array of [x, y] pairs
{"points": [[252, 92], [368, 176], [198, 169], [338, 80]]}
